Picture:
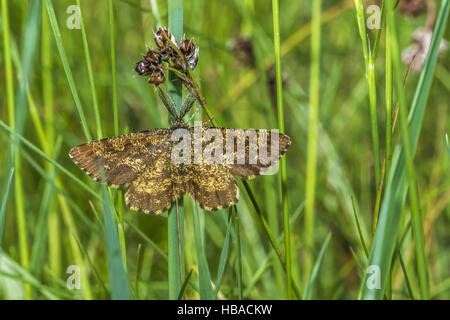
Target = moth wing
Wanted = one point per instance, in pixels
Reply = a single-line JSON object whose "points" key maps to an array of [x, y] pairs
{"points": [[121, 158], [247, 153], [212, 186], [153, 190]]}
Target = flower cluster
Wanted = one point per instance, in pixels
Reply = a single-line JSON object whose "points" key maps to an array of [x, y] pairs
{"points": [[179, 56]]}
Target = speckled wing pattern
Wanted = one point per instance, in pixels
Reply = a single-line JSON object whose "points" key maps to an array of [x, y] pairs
{"points": [[254, 165], [142, 163], [212, 186], [137, 160]]}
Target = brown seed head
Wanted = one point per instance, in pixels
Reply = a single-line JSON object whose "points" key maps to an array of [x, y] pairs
{"points": [[157, 77], [153, 57], [160, 38], [143, 68]]}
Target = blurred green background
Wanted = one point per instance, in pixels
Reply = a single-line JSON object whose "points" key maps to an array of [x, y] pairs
{"points": [[51, 222]]}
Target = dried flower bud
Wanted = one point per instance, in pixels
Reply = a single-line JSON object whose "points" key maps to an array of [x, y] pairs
{"points": [[190, 51], [161, 40], [143, 68], [157, 77], [192, 59], [153, 57], [187, 46]]}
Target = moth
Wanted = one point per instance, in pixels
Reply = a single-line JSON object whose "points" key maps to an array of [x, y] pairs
{"points": [[158, 166]]}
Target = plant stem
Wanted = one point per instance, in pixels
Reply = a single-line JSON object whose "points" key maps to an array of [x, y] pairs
{"points": [[311, 161], [87, 57], [113, 66], [416, 217], [370, 77], [389, 91], [283, 177], [54, 244], [176, 216], [18, 186], [239, 254]]}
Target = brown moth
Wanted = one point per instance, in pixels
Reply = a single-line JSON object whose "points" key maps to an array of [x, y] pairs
{"points": [[158, 166]]}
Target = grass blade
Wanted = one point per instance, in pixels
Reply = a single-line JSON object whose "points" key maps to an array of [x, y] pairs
{"points": [[65, 63], [316, 267], [185, 283], [223, 255], [113, 67], [237, 231], [313, 124], [52, 161], [358, 226], [283, 176], [8, 264], [176, 213], [40, 241], [370, 76], [4, 205], [204, 276], [118, 279], [87, 57], [385, 237], [416, 216]]}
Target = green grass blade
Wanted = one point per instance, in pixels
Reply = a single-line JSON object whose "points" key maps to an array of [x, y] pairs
{"points": [[67, 70], [389, 94], [138, 270], [118, 278], [315, 270], [113, 66], [223, 255], [370, 77], [184, 286], [147, 239], [176, 213], [416, 216], [313, 124], [40, 241], [268, 232], [6, 264], [237, 231], [4, 205], [29, 47], [90, 72], [52, 161], [92, 266], [57, 188], [47, 56], [283, 176], [358, 226], [376, 44], [204, 276], [385, 237]]}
